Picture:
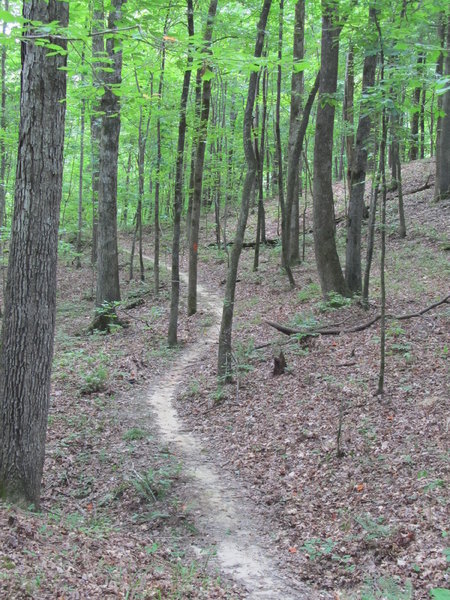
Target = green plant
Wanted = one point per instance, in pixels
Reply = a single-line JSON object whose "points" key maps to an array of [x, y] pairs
{"points": [[386, 588], [373, 528], [134, 434], [310, 292], [440, 594], [333, 302], [94, 382], [153, 484]]}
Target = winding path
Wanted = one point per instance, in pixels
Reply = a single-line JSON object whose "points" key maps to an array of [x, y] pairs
{"points": [[226, 519]]}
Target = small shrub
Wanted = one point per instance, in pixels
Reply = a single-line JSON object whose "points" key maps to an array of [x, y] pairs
{"points": [[333, 302], [94, 382]]}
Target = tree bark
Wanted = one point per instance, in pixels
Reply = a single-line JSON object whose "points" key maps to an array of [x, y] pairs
{"points": [[327, 259], [98, 48], [178, 196], [224, 356], [199, 163], [285, 223], [348, 112], [30, 303], [444, 150], [3, 129], [414, 145], [357, 177], [108, 289], [439, 73], [294, 150]]}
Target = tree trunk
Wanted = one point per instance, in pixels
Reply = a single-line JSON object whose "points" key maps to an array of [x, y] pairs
{"points": [[199, 163], [348, 112], [444, 154], [285, 224], [98, 49], [108, 289], [294, 151], [357, 177], [439, 73], [3, 129], [327, 259], [80, 178], [224, 356], [178, 196], [30, 303], [414, 145]]}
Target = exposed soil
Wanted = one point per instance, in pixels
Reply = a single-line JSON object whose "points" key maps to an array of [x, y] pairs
{"points": [[238, 491]]}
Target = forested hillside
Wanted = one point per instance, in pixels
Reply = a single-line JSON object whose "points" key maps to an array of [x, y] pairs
{"points": [[224, 236]]}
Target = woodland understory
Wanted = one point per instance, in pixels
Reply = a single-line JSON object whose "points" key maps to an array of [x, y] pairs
{"points": [[365, 519]]}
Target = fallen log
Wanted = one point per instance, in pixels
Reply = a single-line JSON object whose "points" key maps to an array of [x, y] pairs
{"points": [[330, 330]]}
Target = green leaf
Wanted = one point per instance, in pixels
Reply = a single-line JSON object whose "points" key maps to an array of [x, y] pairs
{"points": [[440, 594]]}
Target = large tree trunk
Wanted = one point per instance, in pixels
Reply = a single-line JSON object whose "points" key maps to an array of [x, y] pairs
{"points": [[198, 171], [30, 303], [224, 356], [444, 150], [327, 259], [178, 196], [357, 177], [108, 289], [3, 128]]}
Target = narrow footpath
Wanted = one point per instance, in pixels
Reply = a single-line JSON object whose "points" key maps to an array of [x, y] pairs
{"points": [[224, 517]]}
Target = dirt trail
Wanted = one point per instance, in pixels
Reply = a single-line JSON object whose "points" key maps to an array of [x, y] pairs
{"points": [[226, 520]]}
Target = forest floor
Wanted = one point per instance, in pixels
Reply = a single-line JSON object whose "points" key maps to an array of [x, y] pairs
{"points": [[162, 483]]}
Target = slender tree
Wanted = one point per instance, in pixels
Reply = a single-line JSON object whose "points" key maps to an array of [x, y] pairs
{"points": [[98, 48], [224, 356], [178, 197], [108, 289], [28, 328], [199, 163]]}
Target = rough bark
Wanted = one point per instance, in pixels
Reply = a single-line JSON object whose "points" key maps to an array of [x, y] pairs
{"points": [[348, 112], [327, 259], [224, 355], [294, 151], [444, 150], [108, 289], [357, 178], [80, 177], [30, 303], [414, 146], [199, 164], [3, 128], [439, 73], [98, 49], [178, 196], [285, 223]]}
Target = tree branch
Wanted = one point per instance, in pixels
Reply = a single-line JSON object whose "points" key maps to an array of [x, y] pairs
{"points": [[336, 331]]}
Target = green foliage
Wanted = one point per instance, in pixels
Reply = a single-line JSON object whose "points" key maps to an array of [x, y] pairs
{"points": [[310, 292], [94, 381], [134, 434], [154, 484], [333, 302]]}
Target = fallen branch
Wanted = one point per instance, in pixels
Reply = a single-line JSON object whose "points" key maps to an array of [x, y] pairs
{"points": [[336, 331]]}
